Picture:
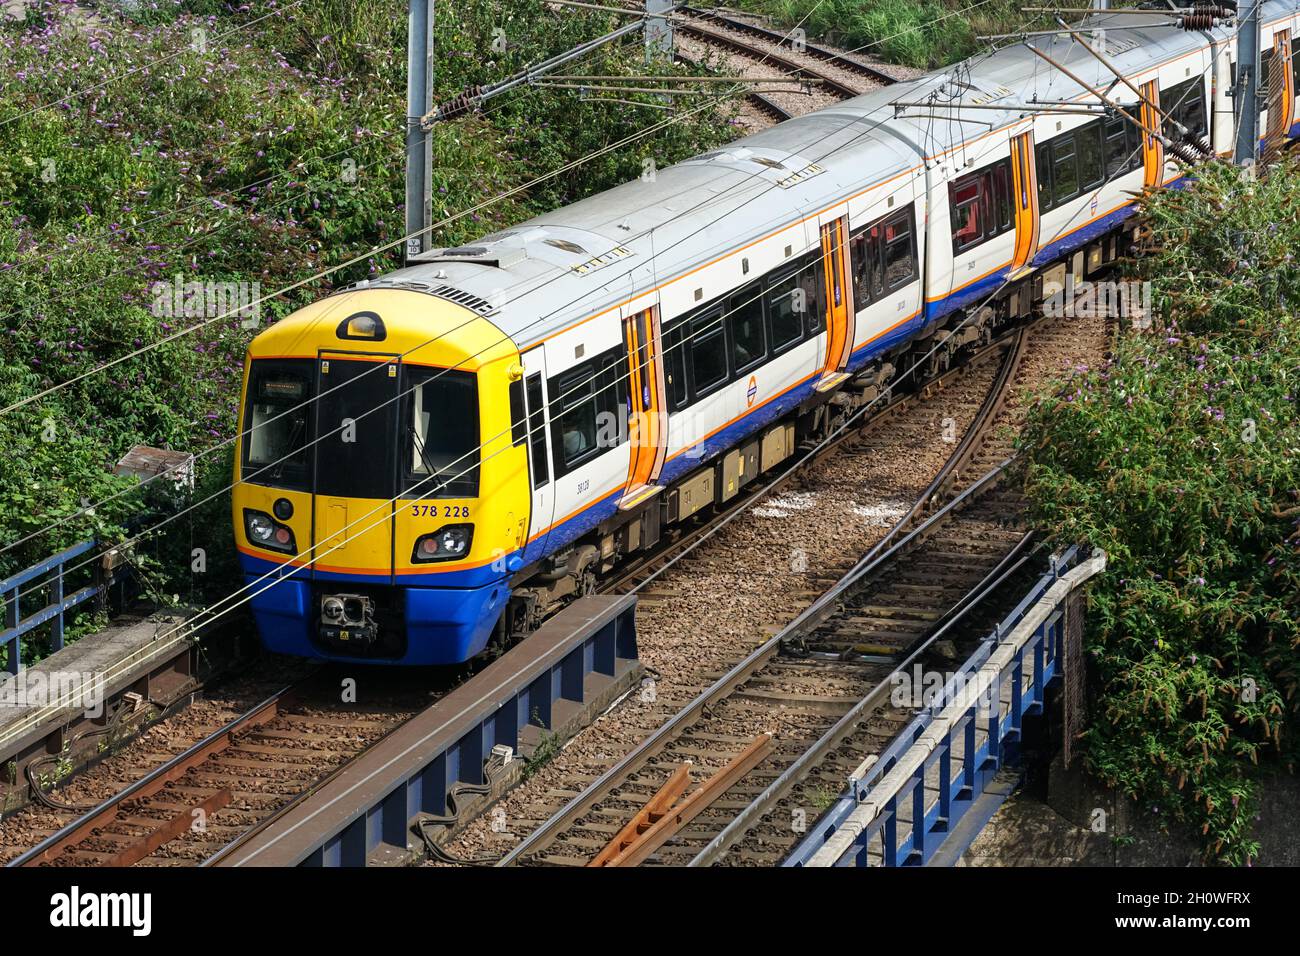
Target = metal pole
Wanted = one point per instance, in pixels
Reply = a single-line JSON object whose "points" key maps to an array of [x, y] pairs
{"points": [[1246, 89], [419, 100], [658, 29]]}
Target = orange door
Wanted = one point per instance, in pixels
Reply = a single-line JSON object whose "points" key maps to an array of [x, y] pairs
{"points": [[1024, 184], [1153, 151], [1281, 90], [839, 297], [647, 417]]}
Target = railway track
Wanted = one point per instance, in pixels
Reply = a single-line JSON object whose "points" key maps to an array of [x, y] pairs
{"points": [[796, 697], [246, 771], [820, 688], [279, 751], [262, 761], [758, 53], [812, 51]]}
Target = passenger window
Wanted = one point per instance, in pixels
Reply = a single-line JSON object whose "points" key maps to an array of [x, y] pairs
{"points": [[1043, 152], [589, 409], [748, 339], [810, 280], [900, 251], [980, 205], [1091, 156], [1002, 196], [537, 430], [575, 424], [1119, 151], [1065, 170], [675, 367], [1191, 109], [708, 352], [785, 308], [967, 213], [863, 264]]}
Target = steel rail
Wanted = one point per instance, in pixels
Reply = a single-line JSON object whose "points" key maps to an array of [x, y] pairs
{"points": [[749, 50], [812, 615], [1011, 563], [895, 404], [82, 827], [781, 39]]}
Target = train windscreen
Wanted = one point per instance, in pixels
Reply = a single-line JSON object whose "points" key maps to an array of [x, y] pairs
{"points": [[277, 424], [441, 433], [357, 425]]}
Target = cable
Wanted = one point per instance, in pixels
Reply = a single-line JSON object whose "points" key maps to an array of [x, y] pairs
{"points": [[379, 366], [280, 573], [214, 448], [707, 328], [381, 248]]}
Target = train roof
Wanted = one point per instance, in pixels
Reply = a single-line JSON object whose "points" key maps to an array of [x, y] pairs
{"points": [[541, 275]]}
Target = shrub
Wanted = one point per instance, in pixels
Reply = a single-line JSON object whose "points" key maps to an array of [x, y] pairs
{"points": [[1180, 459]]}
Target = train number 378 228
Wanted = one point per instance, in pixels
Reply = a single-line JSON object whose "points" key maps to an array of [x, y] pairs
{"points": [[448, 511]]}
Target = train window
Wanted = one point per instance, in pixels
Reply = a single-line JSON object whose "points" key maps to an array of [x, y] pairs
{"points": [[967, 197], [745, 320], [1092, 156], [1002, 196], [980, 206], [1185, 103], [277, 423], [900, 250], [1265, 75], [810, 280], [1123, 153], [675, 354], [589, 409], [1065, 170], [865, 264], [575, 416], [518, 420], [442, 457], [785, 308], [1043, 157], [708, 352], [1295, 70], [537, 430]]}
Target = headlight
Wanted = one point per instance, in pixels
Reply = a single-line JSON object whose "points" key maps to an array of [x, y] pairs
{"points": [[265, 532], [451, 541]]}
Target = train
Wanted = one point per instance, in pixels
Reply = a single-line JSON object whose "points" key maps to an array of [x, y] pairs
{"points": [[433, 461]]}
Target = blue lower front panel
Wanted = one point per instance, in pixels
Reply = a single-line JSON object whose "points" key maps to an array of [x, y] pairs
{"points": [[442, 625]]}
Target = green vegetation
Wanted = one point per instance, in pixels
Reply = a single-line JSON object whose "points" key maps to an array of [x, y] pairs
{"points": [[210, 142], [1182, 460], [923, 34]]}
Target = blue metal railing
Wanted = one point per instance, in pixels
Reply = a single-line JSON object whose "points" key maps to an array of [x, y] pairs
{"points": [[48, 575], [964, 763]]}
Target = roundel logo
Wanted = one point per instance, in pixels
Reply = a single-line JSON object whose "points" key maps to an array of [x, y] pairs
{"points": [[753, 390]]}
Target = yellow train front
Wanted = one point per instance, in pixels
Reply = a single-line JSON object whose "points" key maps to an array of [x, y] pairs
{"points": [[380, 504]]}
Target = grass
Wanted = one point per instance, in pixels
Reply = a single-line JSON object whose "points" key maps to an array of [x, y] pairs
{"points": [[923, 34]]}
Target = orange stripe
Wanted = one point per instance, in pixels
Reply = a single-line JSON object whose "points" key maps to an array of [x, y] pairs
{"points": [[275, 558]]}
